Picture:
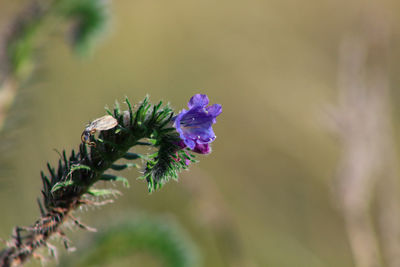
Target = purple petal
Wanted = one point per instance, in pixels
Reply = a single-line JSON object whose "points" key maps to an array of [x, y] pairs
{"points": [[178, 127], [202, 149], [190, 143], [178, 119], [196, 117], [198, 100], [200, 135], [214, 110]]}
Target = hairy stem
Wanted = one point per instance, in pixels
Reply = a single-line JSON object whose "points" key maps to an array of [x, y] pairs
{"points": [[66, 189]]}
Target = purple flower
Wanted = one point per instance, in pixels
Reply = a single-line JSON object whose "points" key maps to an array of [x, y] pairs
{"points": [[195, 125]]}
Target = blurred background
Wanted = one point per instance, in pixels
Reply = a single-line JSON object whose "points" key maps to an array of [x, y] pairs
{"points": [[304, 170]]}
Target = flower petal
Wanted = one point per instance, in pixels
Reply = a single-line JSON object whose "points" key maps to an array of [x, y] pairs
{"points": [[196, 117], [202, 149], [214, 110], [178, 119], [200, 135], [190, 143], [198, 100]]}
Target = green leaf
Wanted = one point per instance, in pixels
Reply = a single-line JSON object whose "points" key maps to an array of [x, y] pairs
{"points": [[60, 185], [144, 143], [117, 110], [130, 110], [153, 141], [120, 167], [41, 208], [103, 192], [110, 177], [166, 130], [46, 182], [108, 111], [79, 167], [132, 156]]}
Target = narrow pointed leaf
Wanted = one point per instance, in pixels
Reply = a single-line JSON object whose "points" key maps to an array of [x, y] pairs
{"points": [[110, 177]]}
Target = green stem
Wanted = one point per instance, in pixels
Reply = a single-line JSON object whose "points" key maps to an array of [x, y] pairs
{"points": [[66, 187]]}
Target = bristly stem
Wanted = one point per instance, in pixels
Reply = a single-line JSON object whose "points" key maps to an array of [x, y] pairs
{"points": [[68, 187]]}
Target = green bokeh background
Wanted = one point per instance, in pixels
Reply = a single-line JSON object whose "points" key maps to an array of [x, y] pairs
{"points": [[265, 192]]}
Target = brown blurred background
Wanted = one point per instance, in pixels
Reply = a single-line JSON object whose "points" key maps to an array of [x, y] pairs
{"points": [[267, 194]]}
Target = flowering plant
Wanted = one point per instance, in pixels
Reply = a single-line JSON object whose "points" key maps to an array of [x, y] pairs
{"points": [[104, 142]]}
